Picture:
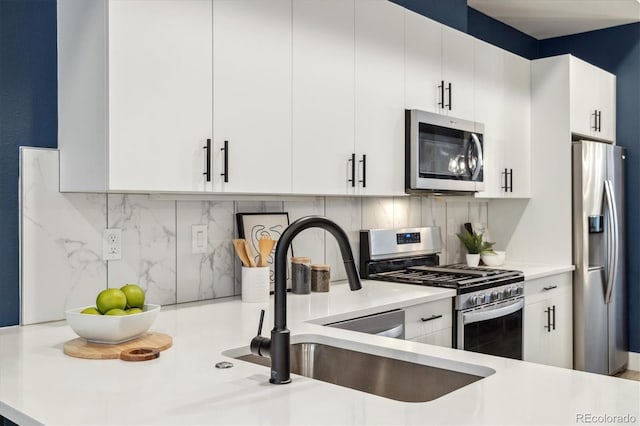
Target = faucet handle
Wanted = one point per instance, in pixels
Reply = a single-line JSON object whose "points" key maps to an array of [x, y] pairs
{"points": [[260, 323], [260, 345]]}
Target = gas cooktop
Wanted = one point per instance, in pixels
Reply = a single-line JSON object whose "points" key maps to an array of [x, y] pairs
{"points": [[460, 277]]}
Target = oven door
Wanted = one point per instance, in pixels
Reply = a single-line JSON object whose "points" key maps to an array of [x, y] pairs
{"points": [[495, 329]]}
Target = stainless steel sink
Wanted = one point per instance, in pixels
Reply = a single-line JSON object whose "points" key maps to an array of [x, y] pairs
{"points": [[375, 374]]}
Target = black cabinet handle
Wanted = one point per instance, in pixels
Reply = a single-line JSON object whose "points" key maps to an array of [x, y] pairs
{"points": [[225, 173], [553, 314], [548, 326], [595, 120], [551, 287], [441, 87], [352, 160], [364, 171], [505, 187], [450, 103], [431, 318], [207, 149], [510, 180], [599, 121]]}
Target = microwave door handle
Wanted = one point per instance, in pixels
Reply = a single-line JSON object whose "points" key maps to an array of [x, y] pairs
{"points": [[479, 163], [491, 313], [612, 239]]}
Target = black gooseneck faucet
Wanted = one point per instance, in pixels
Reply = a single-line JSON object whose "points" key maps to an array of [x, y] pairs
{"points": [[278, 346]]}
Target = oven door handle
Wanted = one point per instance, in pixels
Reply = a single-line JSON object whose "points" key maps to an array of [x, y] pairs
{"points": [[492, 312]]}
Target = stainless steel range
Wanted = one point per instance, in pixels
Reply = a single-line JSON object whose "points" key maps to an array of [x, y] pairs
{"points": [[489, 302]]}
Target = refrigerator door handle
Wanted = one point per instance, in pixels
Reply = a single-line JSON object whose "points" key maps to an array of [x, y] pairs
{"points": [[612, 240]]}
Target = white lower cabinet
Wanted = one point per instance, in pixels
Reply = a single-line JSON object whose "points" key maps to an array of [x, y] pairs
{"points": [[548, 321], [430, 322]]}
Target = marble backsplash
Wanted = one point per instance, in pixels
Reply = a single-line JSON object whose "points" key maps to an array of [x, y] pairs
{"points": [[61, 238]]}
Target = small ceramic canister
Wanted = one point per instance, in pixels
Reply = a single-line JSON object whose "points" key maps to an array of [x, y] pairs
{"points": [[255, 284], [320, 277]]}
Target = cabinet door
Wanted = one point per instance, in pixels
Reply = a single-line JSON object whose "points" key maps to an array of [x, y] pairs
{"points": [[323, 96], [438, 338], [584, 85], [423, 62], [160, 108], [537, 339], [490, 107], [607, 106], [379, 97], [561, 336], [549, 302], [457, 69], [428, 318], [252, 95], [517, 124]]}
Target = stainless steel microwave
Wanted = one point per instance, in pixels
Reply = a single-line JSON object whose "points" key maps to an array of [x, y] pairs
{"points": [[443, 154]]}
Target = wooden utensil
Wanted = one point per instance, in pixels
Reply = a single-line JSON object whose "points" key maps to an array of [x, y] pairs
{"points": [[249, 252], [241, 251], [80, 348], [265, 246]]}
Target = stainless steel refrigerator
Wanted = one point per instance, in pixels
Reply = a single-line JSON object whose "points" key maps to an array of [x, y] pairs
{"points": [[599, 281]]}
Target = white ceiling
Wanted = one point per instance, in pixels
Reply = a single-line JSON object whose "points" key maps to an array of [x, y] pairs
{"points": [[552, 18]]}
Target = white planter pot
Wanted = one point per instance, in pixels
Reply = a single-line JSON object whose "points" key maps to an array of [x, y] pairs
{"points": [[473, 260]]}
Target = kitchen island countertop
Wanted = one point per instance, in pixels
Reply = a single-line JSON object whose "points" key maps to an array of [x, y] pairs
{"points": [[39, 384]]}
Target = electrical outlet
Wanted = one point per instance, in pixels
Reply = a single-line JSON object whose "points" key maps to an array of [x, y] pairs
{"points": [[112, 244], [198, 239]]}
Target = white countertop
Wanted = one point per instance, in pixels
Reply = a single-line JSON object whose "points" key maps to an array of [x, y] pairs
{"points": [[39, 384], [534, 271]]}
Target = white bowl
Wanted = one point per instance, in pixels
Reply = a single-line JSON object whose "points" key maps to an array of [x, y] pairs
{"points": [[490, 259], [111, 329]]}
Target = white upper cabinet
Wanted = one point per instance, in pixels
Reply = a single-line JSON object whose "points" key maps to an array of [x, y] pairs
{"points": [[517, 126], [272, 96], [379, 97], [135, 87], [439, 63], [502, 104], [423, 63], [323, 97], [458, 73], [252, 96], [593, 97], [489, 104]]}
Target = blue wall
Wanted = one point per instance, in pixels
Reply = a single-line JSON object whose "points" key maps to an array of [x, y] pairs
{"points": [[28, 116], [450, 12], [617, 50], [497, 33]]}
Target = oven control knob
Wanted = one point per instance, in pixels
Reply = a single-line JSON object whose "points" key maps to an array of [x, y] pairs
{"points": [[474, 300], [495, 295], [506, 293]]}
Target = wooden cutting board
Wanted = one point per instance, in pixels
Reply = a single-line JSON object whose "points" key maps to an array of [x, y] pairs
{"points": [[80, 348]]}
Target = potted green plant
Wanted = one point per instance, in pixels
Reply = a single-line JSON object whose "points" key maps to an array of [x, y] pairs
{"points": [[475, 246]]}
